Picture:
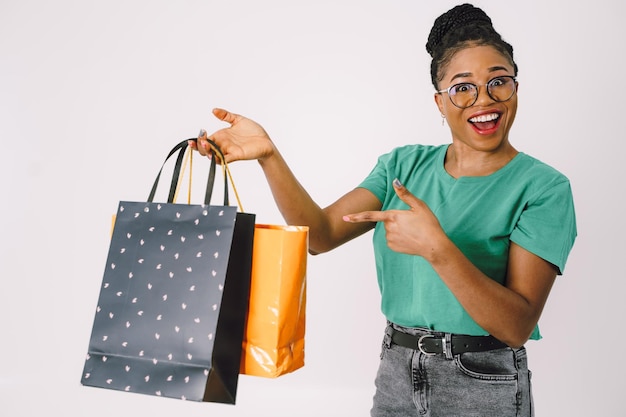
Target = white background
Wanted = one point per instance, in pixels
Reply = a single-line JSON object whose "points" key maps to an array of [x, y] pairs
{"points": [[94, 93]]}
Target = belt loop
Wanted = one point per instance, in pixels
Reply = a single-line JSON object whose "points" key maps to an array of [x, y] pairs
{"points": [[388, 333], [447, 345]]}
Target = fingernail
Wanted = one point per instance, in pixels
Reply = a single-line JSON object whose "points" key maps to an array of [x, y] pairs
{"points": [[397, 183], [202, 133], [346, 218]]}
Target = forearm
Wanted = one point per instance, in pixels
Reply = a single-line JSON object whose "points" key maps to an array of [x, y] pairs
{"points": [[293, 201], [502, 312], [247, 140]]}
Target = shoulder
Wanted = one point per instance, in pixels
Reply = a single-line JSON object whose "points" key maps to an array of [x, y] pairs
{"points": [[537, 174], [404, 162], [538, 168], [413, 153]]}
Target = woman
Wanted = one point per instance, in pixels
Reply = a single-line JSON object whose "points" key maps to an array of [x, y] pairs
{"points": [[469, 237]]}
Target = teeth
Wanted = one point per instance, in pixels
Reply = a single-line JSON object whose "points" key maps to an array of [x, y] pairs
{"points": [[484, 118]]}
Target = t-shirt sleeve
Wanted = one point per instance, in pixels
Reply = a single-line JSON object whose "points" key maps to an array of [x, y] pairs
{"points": [[547, 225], [377, 181]]}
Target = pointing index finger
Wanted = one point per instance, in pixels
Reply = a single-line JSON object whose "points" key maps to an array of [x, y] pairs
{"points": [[365, 216]]}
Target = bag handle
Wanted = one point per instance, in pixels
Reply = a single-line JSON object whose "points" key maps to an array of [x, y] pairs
{"points": [[181, 152], [188, 163], [216, 152]]}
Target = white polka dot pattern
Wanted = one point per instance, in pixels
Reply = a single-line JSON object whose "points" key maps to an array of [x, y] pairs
{"points": [[158, 308]]}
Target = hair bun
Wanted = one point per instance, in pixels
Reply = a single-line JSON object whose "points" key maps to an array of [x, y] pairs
{"points": [[456, 17]]}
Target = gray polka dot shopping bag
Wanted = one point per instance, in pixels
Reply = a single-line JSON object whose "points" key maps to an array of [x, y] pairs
{"points": [[172, 307]]}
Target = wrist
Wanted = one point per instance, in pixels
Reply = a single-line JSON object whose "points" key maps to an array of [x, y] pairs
{"points": [[270, 157], [440, 250]]}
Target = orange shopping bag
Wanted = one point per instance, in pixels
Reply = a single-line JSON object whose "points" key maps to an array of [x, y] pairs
{"points": [[274, 337]]}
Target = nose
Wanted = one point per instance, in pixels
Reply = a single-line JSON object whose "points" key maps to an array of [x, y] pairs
{"points": [[483, 97]]}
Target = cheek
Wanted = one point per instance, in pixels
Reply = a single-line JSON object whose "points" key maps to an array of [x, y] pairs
{"points": [[455, 115], [449, 109], [512, 111]]}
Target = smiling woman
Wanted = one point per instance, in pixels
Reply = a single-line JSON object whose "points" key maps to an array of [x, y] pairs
{"points": [[469, 237], [480, 118]]}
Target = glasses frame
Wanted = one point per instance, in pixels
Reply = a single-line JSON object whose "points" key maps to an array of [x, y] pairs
{"points": [[447, 90]]}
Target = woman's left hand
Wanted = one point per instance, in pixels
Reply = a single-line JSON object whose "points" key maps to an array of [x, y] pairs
{"points": [[415, 231]]}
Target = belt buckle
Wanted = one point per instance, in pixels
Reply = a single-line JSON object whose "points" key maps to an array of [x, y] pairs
{"points": [[419, 345]]}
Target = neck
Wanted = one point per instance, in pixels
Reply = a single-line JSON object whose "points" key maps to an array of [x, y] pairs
{"points": [[466, 162]]}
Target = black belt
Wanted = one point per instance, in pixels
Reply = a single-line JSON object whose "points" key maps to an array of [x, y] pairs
{"points": [[430, 344]]}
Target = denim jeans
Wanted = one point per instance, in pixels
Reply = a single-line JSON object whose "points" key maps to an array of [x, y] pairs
{"points": [[495, 383]]}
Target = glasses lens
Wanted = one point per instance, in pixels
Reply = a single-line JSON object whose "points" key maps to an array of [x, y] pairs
{"points": [[463, 95], [501, 88]]}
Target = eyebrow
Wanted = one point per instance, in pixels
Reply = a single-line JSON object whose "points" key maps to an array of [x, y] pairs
{"points": [[469, 74]]}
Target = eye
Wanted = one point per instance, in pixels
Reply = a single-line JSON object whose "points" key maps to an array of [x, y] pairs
{"points": [[463, 88], [499, 81]]}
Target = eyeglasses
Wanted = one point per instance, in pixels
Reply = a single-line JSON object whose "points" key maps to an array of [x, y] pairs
{"points": [[464, 95]]}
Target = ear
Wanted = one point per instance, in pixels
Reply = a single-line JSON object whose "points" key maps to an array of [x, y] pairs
{"points": [[439, 102]]}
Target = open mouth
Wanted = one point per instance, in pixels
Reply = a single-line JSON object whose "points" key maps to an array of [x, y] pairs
{"points": [[485, 122]]}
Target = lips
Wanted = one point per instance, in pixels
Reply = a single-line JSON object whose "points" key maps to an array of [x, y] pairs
{"points": [[485, 123]]}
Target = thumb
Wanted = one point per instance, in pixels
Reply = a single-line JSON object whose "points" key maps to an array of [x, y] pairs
{"points": [[225, 115], [405, 195]]}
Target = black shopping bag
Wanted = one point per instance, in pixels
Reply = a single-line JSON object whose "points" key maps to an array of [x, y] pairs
{"points": [[174, 296]]}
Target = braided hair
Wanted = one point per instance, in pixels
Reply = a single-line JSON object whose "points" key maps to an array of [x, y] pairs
{"points": [[458, 28]]}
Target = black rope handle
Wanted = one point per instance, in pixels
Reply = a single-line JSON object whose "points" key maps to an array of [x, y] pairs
{"points": [[209, 190], [181, 151], [181, 148]]}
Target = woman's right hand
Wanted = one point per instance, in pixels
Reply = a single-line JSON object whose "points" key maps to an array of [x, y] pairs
{"points": [[244, 139]]}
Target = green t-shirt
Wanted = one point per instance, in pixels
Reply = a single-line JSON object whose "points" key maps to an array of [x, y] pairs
{"points": [[526, 202]]}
